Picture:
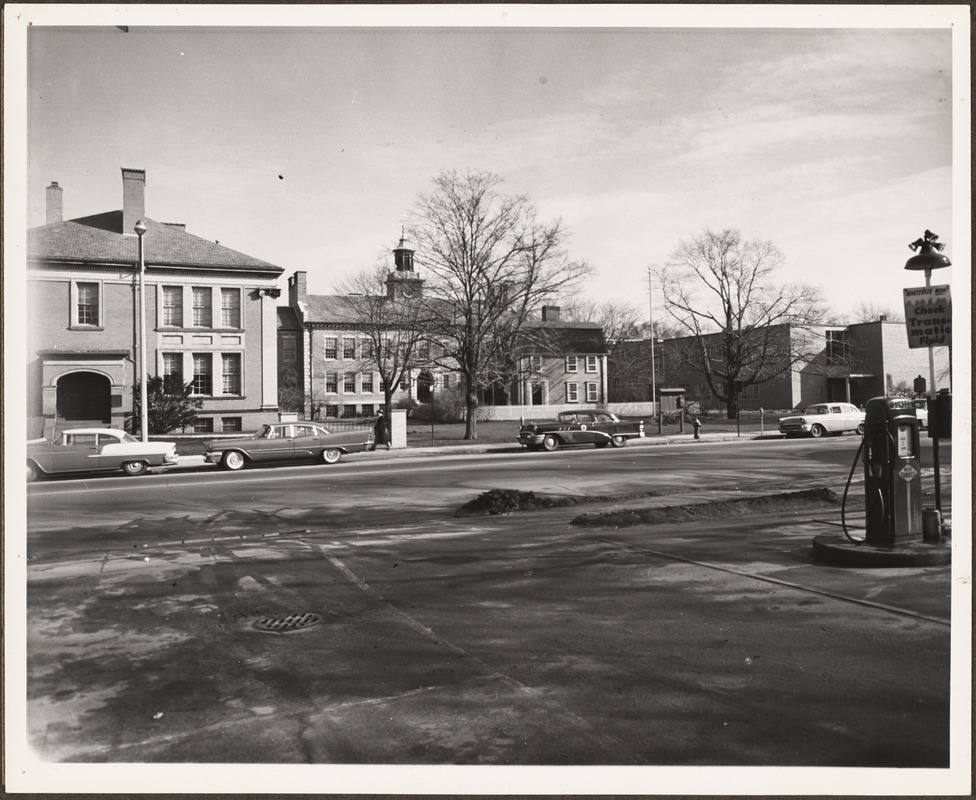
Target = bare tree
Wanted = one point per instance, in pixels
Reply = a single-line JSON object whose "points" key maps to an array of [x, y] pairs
{"points": [[620, 321], [491, 263], [393, 327], [872, 312], [721, 291]]}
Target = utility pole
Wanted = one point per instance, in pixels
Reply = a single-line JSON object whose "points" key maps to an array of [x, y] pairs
{"points": [[650, 315]]}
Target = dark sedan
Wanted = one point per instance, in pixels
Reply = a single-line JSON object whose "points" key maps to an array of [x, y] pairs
{"points": [[287, 441], [595, 427]]}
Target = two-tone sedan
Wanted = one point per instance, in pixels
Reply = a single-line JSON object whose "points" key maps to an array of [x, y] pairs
{"points": [[287, 441], [96, 450], [822, 418], [599, 428]]}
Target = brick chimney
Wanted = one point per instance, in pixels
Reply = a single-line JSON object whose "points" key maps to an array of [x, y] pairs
{"points": [[297, 288], [54, 206], [133, 198], [550, 313]]}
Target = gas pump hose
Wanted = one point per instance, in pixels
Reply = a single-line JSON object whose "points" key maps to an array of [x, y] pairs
{"points": [[843, 502]]}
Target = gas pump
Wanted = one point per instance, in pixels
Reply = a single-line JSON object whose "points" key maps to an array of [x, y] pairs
{"points": [[892, 471]]}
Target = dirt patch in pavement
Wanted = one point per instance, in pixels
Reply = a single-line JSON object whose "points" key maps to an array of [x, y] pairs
{"points": [[505, 501], [767, 504]]}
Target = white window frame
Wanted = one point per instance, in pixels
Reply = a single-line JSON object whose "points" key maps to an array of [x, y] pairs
{"points": [[75, 322], [348, 377], [348, 348], [572, 364], [208, 356], [173, 356], [592, 392], [226, 358], [330, 344], [572, 392], [535, 363], [331, 382], [203, 292], [164, 293], [235, 310], [366, 383], [592, 365]]}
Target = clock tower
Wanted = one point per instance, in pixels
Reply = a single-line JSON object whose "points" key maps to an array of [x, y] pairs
{"points": [[403, 281]]}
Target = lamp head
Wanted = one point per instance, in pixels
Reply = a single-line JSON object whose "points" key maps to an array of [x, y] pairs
{"points": [[140, 227], [929, 254]]}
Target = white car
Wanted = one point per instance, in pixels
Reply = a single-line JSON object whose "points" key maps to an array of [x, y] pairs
{"points": [[96, 450], [821, 418]]}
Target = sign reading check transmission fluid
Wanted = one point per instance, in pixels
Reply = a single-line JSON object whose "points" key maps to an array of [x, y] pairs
{"points": [[928, 316]]}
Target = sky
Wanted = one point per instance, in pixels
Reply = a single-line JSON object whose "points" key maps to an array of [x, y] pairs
{"points": [[308, 146]]}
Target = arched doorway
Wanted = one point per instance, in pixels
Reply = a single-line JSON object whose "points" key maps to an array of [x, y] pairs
{"points": [[425, 382], [84, 397]]}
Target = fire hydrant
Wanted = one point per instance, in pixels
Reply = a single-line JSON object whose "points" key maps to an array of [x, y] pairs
{"points": [[697, 426]]}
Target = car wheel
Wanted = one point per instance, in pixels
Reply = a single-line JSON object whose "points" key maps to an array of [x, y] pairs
{"points": [[331, 455], [550, 443], [135, 467], [33, 473], [232, 460], [817, 431], [618, 440], [860, 429]]}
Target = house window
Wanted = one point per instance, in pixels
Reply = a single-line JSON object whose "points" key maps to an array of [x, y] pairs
{"points": [[202, 382], [173, 306], [349, 383], [231, 424], [591, 364], [230, 308], [332, 411], [87, 304], [231, 373], [572, 392], [203, 425], [572, 364], [535, 363], [173, 364], [592, 392], [366, 383], [202, 307], [348, 348], [331, 382], [330, 347]]}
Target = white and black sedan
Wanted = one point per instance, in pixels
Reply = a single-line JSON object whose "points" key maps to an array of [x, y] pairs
{"points": [[287, 441], [823, 418], [96, 450], [596, 427]]}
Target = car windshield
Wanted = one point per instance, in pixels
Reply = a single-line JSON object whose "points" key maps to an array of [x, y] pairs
{"points": [[128, 437]]}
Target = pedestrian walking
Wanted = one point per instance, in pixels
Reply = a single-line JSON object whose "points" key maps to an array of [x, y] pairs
{"points": [[381, 431]]}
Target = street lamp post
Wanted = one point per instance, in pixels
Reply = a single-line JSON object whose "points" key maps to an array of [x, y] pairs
{"points": [[650, 316], [140, 228]]}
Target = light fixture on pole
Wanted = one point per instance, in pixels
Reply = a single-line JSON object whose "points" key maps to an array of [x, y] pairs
{"points": [[140, 228]]}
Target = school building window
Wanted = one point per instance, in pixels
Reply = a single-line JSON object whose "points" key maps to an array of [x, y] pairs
{"points": [[366, 383], [572, 392], [86, 304], [332, 411], [203, 425], [331, 382], [231, 424], [202, 307], [368, 409], [349, 382], [173, 306], [202, 382], [366, 347], [289, 348], [231, 383], [330, 347], [173, 365], [349, 410], [230, 308], [348, 348]]}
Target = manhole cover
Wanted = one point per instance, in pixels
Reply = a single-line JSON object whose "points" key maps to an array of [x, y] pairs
{"points": [[288, 624]]}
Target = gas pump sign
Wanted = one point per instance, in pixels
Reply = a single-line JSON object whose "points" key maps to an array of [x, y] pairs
{"points": [[904, 441], [928, 316]]}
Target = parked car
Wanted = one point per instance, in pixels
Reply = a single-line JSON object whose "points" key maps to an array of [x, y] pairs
{"points": [[821, 418], [96, 450], [595, 427], [287, 441]]}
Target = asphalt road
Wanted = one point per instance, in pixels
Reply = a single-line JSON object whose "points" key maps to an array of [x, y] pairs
{"points": [[507, 640]]}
